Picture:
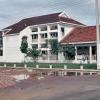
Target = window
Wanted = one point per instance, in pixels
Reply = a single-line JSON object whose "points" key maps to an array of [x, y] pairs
{"points": [[44, 28], [53, 27], [62, 30], [35, 46], [34, 29], [1, 52], [44, 35], [54, 34], [44, 52], [35, 36]]}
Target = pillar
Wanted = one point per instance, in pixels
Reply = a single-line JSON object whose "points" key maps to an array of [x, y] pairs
{"points": [[48, 52], [98, 56], [90, 54], [75, 53], [48, 36], [39, 38], [81, 72]]}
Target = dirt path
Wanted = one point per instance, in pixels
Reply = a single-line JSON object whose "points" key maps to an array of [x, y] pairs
{"points": [[55, 88]]}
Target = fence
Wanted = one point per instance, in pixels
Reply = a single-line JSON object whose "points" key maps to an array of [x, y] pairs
{"points": [[59, 71]]}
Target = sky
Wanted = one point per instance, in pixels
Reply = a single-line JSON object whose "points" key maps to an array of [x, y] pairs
{"points": [[12, 11]]}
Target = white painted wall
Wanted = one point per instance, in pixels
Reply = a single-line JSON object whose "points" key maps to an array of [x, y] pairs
{"points": [[11, 43], [11, 46], [1, 59], [11, 49], [26, 32], [67, 28]]}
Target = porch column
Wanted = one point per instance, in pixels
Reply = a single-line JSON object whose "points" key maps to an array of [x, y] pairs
{"points": [[90, 53], [75, 53], [39, 38], [48, 52], [48, 35]]}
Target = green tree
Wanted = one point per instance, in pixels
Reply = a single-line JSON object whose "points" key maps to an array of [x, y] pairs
{"points": [[55, 47], [69, 52], [24, 46], [33, 53]]}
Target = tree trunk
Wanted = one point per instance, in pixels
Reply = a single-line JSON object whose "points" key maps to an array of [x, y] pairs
{"points": [[24, 60]]}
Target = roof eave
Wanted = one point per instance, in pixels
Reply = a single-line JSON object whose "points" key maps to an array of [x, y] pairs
{"points": [[80, 42], [73, 24]]}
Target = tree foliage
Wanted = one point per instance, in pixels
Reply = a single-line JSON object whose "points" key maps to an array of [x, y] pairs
{"points": [[33, 53], [55, 47], [24, 45], [69, 52]]}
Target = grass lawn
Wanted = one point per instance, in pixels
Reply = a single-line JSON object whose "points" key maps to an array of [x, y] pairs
{"points": [[54, 65]]}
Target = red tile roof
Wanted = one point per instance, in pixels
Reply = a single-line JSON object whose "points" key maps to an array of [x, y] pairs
{"points": [[16, 28], [81, 34]]}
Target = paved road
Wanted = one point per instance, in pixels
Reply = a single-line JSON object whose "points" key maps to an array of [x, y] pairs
{"points": [[55, 88]]}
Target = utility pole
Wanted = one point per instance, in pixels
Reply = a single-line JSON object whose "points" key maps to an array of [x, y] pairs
{"points": [[97, 33]]}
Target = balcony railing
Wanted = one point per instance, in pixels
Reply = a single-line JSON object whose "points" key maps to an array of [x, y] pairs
{"points": [[85, 57], [43, 39], [34, 40]]}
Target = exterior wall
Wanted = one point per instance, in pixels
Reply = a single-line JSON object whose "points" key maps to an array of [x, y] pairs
{"points": [[67, 29], [87, 55], [25, 32], [1, 59], [11, 43], [11, 49], [41, 41]]}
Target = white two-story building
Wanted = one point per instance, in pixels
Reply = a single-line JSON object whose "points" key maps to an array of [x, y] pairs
{"points": [[41, 28]]}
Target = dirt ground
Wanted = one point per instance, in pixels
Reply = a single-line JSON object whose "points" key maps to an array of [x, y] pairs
{"points": [[54, 88]]}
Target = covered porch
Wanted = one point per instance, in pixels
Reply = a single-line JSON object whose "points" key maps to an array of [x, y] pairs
{"points": [[85, 53]]}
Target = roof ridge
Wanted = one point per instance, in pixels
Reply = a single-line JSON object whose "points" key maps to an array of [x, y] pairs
{"points": [[36, 20], [43, 15]]}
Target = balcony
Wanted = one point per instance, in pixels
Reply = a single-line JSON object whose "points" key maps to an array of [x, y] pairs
{"points": [[43, 37], [34, 37], [44, 45], [34, 29], [35, 46], [43, 28], [34, 40], [53, 27], [43, 40], [53, 35]]}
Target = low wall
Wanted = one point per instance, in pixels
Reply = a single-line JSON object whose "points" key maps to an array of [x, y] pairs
{"points": [[1, 59]]}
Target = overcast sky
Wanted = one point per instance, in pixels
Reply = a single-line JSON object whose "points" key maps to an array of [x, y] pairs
{"points": [[11, 11]]}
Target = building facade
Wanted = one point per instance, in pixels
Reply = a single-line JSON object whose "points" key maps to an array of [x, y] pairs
{"points": [[48, 27], [84, 41]]}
